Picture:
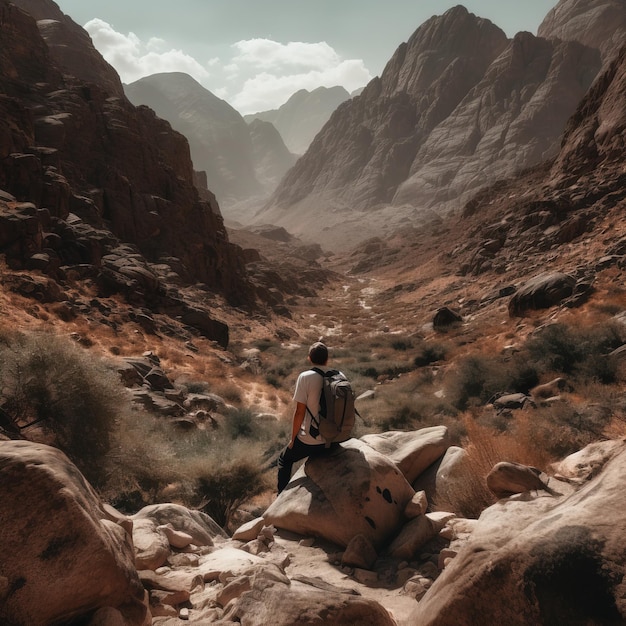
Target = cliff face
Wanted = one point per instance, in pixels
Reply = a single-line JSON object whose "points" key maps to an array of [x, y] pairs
{"points": [[70, 46], [73, 147], [511, 119], [218, 135], [457, 107], [90, 181], [598, 24], [303, 115]]}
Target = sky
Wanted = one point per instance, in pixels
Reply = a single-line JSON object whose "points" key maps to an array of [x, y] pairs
{"points": [[256, 53]]}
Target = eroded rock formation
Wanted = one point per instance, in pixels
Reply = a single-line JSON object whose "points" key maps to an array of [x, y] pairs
{"points": [[94, 181], [458, 107]]}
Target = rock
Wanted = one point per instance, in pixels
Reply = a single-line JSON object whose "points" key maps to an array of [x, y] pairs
{"points": [[176, 538], [541, 292], [197, 525], [417, 506], [507, 478], [445, 317], [551, 558], [414, 451], [511, 401], [589, 461], [359, 553], [272, 602], [413, 536], [357, 491], [445, 475], [598, 24], [250, 530], [72, 559], [152, 547]]}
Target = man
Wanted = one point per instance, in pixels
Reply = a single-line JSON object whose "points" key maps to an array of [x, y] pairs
{"points": [[305, 441]]}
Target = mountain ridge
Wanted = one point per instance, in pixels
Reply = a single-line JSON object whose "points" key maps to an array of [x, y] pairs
{"points": [[376, 157]]}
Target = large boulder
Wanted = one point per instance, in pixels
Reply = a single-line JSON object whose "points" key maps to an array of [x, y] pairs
{"points": [[412, 451], [540, 560], [64, 554], [269, 602], [356, 491], [542, 292]]}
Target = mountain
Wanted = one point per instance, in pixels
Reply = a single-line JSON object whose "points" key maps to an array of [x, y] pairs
{"points": [[269, 154], [303, 115], [218, 136], [96, 189], [598, 24], [70, 46], [458, 107]]}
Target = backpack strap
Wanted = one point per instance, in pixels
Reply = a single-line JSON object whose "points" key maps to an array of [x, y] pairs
{"points": [[317, 370]]}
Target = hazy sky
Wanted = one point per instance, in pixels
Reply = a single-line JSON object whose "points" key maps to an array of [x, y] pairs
{"points": [[256, 53]]}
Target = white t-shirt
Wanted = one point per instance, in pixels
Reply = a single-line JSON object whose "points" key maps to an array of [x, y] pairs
{"points": [[308, 390]]}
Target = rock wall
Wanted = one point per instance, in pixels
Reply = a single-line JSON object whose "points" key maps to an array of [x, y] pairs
{"points": [[458, 107], [74, 148]]}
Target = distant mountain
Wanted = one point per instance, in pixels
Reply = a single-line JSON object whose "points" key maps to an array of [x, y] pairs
{"points": [[303, 115], [218, 136], [456, 108], [240, 162], [269, 154]]}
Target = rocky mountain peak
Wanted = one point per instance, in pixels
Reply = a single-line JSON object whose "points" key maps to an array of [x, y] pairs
{"points": [[218, 135], [71, 46], [300, 118], [437, 49], [598, 24], [457, 107]]}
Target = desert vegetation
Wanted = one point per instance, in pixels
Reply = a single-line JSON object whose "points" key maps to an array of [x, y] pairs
{"points": [[65, 392]]}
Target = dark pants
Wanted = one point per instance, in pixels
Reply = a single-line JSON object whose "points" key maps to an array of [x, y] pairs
{"points": [[300, 450]]}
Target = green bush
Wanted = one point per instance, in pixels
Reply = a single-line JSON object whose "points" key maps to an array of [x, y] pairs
{"points": [[475, 380], [241, 423], [224, 489], [429, 353], [52, 386], [560, 348]]}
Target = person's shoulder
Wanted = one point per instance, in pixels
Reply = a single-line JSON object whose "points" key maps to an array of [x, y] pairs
{"points": [[308, 373]]}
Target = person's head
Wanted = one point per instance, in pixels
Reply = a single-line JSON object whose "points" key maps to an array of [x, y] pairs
{"points": [[318, 353]]}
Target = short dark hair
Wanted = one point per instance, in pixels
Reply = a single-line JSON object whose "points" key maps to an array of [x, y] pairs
{"points": [[318, 353]]}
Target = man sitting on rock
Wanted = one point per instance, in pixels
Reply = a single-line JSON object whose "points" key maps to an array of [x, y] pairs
{"points": [[305, 439]]}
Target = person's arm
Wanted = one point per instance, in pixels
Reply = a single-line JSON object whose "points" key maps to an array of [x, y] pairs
{"points": [[298, 418]]}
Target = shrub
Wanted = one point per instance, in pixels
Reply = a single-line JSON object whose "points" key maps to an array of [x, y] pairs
{"points": [[402, 344], [559, 348], [475, 379], [72, 397], [429, 353], [240, 423], [224, 489]]}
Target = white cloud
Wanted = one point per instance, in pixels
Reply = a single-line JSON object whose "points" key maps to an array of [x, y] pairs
{"points": [[269, 90], [253, 75], [266, 54], [270, 72], [133, 59]]}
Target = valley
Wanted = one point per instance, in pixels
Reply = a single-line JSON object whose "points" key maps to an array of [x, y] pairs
{"points": [[455, 233]]}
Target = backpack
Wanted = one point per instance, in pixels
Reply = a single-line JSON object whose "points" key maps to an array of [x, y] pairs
{"points": [[337, 411]]}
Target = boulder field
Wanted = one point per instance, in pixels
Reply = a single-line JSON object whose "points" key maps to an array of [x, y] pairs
{"points": [[349, 541]]}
